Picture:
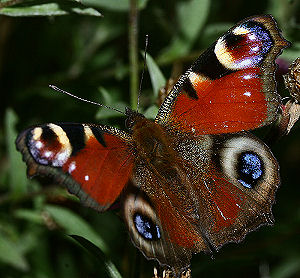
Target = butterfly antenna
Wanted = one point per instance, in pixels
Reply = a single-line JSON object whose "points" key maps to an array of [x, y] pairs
{"points": [[85, 100], [142, 76]]}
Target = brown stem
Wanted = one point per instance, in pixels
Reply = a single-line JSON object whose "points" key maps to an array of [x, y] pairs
{"points": [[133, 53]]}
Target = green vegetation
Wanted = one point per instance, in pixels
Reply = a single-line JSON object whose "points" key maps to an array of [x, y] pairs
{"points": [[86, 51]]}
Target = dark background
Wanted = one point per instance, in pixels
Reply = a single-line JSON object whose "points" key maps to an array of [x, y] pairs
{"points": [[89, 56]]}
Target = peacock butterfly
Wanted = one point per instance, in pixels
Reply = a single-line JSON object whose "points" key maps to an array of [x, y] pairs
{"points": [[195, 178]]}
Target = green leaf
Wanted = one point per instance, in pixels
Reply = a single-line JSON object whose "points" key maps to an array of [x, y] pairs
{"points": [[28, 241], [288, 268], [213, 31], [73, 224], [151, 112], [10, 254], [114, 5], [157, 79], [43, 8], [92, 42], [29, 215], [93, 249], [17, 170], [192, 16], [105, 113], [178, 48], [292, 53]]}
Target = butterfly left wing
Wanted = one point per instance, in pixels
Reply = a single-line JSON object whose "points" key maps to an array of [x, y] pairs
{"points": [[157, 230], [231, 87], [94, 162]]}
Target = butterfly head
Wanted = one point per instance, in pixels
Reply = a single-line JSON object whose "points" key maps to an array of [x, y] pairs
{"points": [[132, 118]]}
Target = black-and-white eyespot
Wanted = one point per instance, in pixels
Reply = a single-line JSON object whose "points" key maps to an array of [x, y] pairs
{"points": [[146, 227], [250, 168], [49, 145], [141, 218], [247, 161], [143, 224], [244, 46]]}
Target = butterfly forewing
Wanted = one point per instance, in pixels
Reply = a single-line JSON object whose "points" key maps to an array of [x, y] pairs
{"points": [[94, 162], [231, 87]]}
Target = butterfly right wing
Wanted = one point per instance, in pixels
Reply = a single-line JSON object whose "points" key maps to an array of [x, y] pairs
{"points": [[94, 162], [235, 178], [231, 87]]}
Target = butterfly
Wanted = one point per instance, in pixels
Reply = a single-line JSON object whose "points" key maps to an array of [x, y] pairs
{"points": [[195, 178]]}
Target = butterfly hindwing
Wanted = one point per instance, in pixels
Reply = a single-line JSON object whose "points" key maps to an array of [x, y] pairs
{"points": [[159, 230], [235, 184], [219, 188], [231, 87], [93, 161]]}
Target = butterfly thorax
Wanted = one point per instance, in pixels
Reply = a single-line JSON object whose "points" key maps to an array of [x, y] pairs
{"points": [[151, 142]]}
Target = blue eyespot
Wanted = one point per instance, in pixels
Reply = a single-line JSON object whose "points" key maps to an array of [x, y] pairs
{"points": [[145, 227], [262, 35], [249, 169]]}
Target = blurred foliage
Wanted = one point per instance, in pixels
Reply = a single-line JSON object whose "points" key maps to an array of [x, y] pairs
{"points": [[86, 52]]}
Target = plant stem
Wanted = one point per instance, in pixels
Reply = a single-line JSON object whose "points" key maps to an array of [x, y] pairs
{"points": [[133, 53]]}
